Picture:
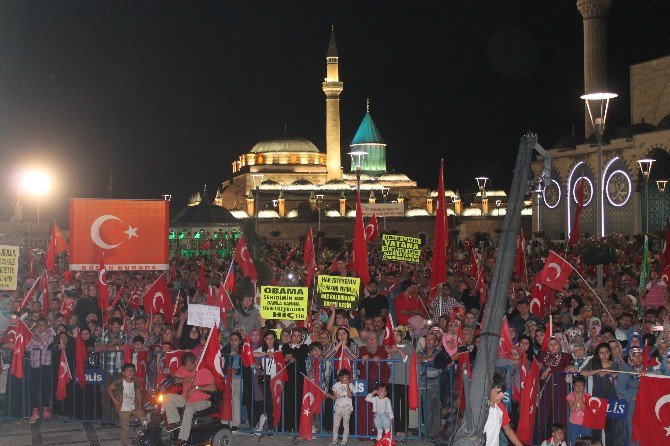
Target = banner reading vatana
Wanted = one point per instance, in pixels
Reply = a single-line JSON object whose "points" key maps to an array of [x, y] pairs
{"points": [[399, 248], [9, 266], [339, 291], [284, 302], [131, 234]]}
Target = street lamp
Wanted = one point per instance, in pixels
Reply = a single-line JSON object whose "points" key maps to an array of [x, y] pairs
{"points": [[645, 167], [662, 184], [481, 183], [319, 199], [357, 158], [597, 104], [36, 183]]}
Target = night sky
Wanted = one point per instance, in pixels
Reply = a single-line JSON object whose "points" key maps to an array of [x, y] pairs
{"points": [[166, 95]]}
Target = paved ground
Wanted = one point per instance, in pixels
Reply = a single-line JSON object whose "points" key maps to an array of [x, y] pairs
{"points": [[75, 433]]}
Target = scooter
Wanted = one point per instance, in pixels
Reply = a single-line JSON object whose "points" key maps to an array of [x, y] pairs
{"points": [[205, 430]]}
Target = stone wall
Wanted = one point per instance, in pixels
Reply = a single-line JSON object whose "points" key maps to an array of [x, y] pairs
{"points": [[650, 91]]}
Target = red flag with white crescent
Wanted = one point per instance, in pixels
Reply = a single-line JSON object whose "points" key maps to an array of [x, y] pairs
{"points": [[312, 397], [595, 412], [21, 338], [277, 390], [67, 307], [528, 404], [651, 419], [103, 290], [372, 229], [386, 440], [157, 299], [81, 355], [64, 377], [211, 358], [243, 258], [57, 244], [438, 268], [388, 332], [247, 354], [556, 271], [506, 342], [309, 257]]}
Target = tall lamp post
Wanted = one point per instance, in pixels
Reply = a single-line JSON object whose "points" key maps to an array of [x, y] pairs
{"points": [[357, 158], [597, 104], [37, 183], [481, 183], [662, 184], [319, 199], [645, 167]]}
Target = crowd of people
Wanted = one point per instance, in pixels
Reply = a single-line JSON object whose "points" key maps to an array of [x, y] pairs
{"points": [[590, 340]]}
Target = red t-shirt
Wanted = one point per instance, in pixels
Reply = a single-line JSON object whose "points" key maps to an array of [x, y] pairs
{"points": [[201, 377], [407, 302]]}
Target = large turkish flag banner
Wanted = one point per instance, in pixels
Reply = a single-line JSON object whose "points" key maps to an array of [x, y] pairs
{"points": [[131, 234]]}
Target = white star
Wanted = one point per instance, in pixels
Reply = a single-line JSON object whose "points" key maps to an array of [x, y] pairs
{"points": [[131, 232], [667, 431], [594, 411], [306, 412]]}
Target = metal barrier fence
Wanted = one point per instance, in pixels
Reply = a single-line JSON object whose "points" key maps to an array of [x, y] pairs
{"points": [[436, 417]]}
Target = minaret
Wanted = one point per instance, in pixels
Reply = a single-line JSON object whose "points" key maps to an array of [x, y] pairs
{"points": [[332, 87], [594, 13]]}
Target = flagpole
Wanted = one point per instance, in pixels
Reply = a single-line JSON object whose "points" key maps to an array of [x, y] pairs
{"points": [[205, 348], [590, 288]]}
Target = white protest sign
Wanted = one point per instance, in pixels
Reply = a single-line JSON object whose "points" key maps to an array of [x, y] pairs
{"points": [[203, 315]]}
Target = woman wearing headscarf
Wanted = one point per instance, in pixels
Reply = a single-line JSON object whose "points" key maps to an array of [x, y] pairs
{"points": [[617, 352], [552, 403], [628, 383], [400, 351], [525, 344], [634, 340], [190, 338], [602, 383]]}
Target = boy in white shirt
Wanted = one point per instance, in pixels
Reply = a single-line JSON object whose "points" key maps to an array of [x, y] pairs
{"points": [[498, 417], [382, 408], [343, 390]]}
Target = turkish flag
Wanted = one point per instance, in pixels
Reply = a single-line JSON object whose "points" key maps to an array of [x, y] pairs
{"points": [[227, 289], [46, 296], [595, 412], [386, 440], [142, 358], [64, 377], [309, 257], [127, 353], [81, 355], [438, 266], [651, 419], [520, 260], [372, 229], [538, 294], [290, 255], [130, 233], [247, 354], [574, 233], [21, 338], [312, 396], [528, 405], [413, 390], [67, 307], [388, 332], [277, 390], [360, 261], [243, 258], [157, 299], [103, 290], [555, 272], [506, 342], [57, 244], [226, 411], [211, 358], [463, 366], [281, 366], [171, 362]]}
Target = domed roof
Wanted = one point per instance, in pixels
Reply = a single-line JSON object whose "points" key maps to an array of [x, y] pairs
{"points": [[285, 145], [627, 131], [335, 185], [607, 136], [203, 213], [569, 141], [664, 124], [367, 132]]}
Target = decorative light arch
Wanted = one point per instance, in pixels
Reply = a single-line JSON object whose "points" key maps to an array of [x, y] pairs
{"points": [[567, 202], [630, 188], [558, 186], [602, 194], [574, 190]]}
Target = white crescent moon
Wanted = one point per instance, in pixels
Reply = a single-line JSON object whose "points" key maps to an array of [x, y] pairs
{"points": [[660, 403], [537, 301], [217, 363], [173, 359], [596, 400], [244, 251], [158, 294], [557, 267], [274, 389], [538, 285], [95, 231], [65, 369], [371, 232], [311, 398], [101, 273]]}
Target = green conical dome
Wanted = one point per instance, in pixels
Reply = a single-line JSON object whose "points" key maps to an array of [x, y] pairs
{"points": [[368, 139], [367, 132]]}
